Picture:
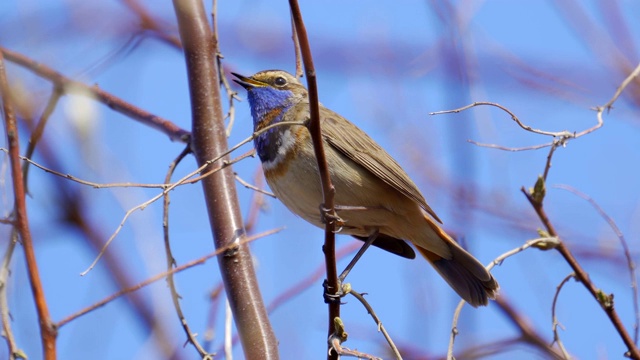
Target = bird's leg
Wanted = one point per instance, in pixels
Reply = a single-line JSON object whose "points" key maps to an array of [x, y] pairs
{"points": [[359, 254], [341, 288]]}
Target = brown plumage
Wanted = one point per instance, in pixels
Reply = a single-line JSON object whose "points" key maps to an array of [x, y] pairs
{"points": [[380, 195]]}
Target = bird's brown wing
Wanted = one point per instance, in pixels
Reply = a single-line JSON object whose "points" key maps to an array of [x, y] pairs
{"points": [[359, 147]]}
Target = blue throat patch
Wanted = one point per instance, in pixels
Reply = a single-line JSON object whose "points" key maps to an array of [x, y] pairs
{"points": [[273, 103]]}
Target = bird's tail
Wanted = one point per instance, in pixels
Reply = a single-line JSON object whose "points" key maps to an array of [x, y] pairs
{"points": [[464, 273]]}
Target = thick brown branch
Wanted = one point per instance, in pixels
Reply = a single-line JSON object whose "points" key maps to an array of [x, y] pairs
{"points": [[209, 140]]}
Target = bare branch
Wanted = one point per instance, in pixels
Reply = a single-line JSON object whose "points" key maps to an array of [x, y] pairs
{"points": [[14, 351], [375, 318], [631, 265], [543, 242], [47, 331], [171, 261], [328, 191], [554, 319], [209, 141], [170, 129], [161, 276]]}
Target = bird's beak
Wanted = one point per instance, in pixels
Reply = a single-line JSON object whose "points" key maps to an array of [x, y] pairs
{"points": [[247, 83]]}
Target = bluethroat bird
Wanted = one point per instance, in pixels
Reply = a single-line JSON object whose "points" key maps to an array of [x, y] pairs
{"points": [[374, 195]]}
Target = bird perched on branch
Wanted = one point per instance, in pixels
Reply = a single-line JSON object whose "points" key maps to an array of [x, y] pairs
{"points": [[375, 198]]}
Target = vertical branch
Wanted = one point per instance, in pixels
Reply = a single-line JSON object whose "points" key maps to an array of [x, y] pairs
{"points": [[209, 141], [328, 191], [47, 330]]}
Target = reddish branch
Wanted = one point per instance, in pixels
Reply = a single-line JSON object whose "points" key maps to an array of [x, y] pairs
{"points": [[605, 301], [167, 127], [328, 191], [48, 332], [209, 140]]}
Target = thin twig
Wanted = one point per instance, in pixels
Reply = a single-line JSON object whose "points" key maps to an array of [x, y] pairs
{"points": [[623, 86], [231, 95], [171, 261], [253, 187], [148, 23], [14, 351], [296, 49], [36, 134], [149, 202], [161, 276], [555, 324], [381, 328], [183, 180], [564, 133], [513, 149]]}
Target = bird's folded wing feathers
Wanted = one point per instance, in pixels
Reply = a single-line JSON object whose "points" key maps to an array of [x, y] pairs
{"points": [[359, 147]]}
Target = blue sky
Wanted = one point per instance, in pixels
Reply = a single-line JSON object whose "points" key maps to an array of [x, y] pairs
{"points": [[385, 67]]}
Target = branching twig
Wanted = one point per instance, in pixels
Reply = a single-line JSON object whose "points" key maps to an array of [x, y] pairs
{"points": [[183, 180], [605, 300]]}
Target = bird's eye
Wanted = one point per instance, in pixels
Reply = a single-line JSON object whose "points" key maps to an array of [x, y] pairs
{"points": [[280, 81]]}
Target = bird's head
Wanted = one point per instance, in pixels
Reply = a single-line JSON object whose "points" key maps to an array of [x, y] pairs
{"points": [[271, 89]]}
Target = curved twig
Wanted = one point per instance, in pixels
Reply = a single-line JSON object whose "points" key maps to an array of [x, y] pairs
{"points": [[171, 261], [554, 319]]}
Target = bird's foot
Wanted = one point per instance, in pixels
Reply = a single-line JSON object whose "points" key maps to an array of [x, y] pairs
{"points": [[328, 216], [332, 297]]}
